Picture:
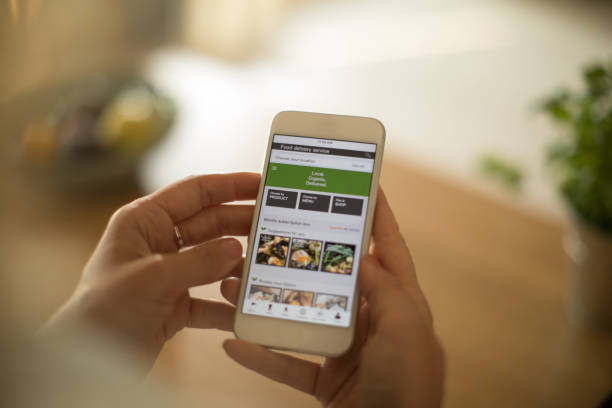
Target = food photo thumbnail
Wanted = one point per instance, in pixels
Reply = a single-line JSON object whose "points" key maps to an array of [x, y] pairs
{"points": [[305, 254], [265, 293], [298, 297], [272, 250], [331, 302], [338, 258]]}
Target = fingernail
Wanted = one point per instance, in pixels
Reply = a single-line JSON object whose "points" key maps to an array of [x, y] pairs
{"points": [[232, 248]]}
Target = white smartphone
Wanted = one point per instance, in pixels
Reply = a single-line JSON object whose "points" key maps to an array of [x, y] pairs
{"points": [[311, 225]]}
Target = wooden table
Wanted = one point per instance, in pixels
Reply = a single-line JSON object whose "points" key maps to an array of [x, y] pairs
{"points": [[495, 277], [496, 280]]}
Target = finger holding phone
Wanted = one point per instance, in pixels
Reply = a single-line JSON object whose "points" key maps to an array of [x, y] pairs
{"points": [[396, 359]]}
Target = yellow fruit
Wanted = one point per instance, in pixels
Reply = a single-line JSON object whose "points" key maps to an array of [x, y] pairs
{"points": [[132, 121]]}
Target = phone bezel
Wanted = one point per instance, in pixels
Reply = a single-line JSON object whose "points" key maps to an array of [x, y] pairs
{"points": [[308, 337]]}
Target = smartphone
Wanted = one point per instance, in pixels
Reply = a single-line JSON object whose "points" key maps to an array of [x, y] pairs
{"points": [[311, 225]]}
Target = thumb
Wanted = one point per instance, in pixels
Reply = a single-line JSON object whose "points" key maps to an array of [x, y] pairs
{"points": [[202, 264]]}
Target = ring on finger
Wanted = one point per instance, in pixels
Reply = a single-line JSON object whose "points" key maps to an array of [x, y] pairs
{"points": [[179, 237]]}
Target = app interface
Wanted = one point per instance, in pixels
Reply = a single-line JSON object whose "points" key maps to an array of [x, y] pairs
{"points": [[309, 230]]}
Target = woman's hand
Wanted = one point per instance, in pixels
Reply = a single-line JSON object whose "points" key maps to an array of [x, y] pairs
{"points": [[135, 285], [396, 359]]}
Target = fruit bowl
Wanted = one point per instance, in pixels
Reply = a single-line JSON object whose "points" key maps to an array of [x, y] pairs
{"points": [[89, 132]]}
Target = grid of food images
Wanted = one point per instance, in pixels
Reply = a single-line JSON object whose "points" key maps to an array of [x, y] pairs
{"points": [[294, 297], [305, 254]]}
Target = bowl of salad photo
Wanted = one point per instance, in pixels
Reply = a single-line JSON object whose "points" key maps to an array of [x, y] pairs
{"points": [[338, 258]]}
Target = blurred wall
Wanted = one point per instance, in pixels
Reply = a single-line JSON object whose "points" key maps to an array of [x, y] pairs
{"points": [[234, 30], [43, 42]]}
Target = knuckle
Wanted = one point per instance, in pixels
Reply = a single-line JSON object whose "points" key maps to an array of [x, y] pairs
{"points": [[218, 224], [206, 195], [126, 212], [121, 214], [158, 265], [190, 177]]}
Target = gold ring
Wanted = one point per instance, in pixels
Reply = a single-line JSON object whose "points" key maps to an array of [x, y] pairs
{"points": [[178, 236]]}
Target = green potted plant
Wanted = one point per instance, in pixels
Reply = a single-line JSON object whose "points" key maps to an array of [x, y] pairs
{"points": [[581, 162]]}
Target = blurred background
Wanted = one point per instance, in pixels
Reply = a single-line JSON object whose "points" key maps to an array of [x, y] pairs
{"points": [[101, 102]]}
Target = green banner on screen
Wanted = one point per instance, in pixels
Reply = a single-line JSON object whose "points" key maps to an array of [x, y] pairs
{"points": [[319, 179]]}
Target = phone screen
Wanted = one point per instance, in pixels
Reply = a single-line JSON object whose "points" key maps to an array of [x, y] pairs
{"points": [[310, 227]]}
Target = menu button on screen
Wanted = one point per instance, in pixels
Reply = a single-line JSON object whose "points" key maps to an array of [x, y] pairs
{"points": [[347, 205], [281, 198], [314, 202]]}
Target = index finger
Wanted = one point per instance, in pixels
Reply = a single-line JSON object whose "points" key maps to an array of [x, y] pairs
{"points": [[389, 245], [186, 197]]}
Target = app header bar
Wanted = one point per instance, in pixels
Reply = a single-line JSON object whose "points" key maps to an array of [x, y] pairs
{"points": [[324, 146]]}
